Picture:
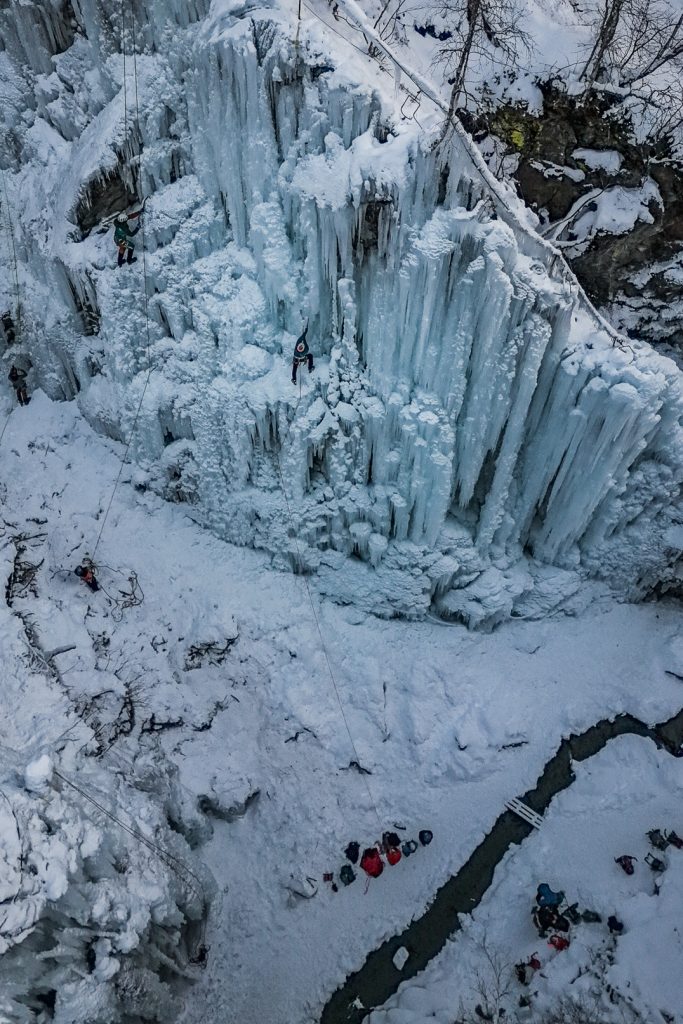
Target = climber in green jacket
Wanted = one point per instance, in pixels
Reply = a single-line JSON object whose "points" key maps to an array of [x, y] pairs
{"points": [[123, 235]]}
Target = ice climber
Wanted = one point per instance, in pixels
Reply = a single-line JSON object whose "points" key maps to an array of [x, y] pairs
{"points": [[17, 379], [85, 573], [123, 235], [301, 354]]}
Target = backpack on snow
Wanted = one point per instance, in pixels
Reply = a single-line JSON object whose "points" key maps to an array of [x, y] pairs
{"points": [[351, 852], [347, 874], [656, 838], [371, 862]]}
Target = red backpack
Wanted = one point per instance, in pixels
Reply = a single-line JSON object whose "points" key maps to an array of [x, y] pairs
{"points": [[371, 862], [393, 855]]}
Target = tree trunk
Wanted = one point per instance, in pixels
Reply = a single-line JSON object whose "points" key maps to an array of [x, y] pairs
{"points": [[605, 37], [473, 13]]}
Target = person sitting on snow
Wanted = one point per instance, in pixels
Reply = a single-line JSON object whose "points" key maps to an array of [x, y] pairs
{"points": [[123, 235], [527, 968], [301, 354], [546, 918], [545, 897], [85, 573], [17, 379]]}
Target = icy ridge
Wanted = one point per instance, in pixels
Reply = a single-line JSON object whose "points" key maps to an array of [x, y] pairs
{"points": [[465, 409]]}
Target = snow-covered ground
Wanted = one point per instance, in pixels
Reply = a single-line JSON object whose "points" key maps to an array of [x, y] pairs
{"points": [[623, 792], [449, 723]]}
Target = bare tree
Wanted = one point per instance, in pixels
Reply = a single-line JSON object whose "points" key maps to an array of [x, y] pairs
{"points": [[604, 37], [487, 28], [493, 985], [633, 40], [658, 112]]}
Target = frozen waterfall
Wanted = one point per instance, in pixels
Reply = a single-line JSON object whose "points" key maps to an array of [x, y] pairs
{"points": [[470, 437]]}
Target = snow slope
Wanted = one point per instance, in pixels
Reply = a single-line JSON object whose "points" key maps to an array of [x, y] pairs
{"points": [[449, 723], [468, 424]]}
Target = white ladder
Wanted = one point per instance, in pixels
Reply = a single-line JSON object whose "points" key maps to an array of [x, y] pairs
{"points": [[524, 812]]}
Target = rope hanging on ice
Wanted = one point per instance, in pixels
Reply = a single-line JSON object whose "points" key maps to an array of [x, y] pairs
{"points": [[146, 302], [123, 51], [13, 253], [16, 322], [294, 528]]}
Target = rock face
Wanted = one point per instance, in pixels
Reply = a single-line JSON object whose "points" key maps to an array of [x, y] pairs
{"points": [[469, 421], [635, 271]]}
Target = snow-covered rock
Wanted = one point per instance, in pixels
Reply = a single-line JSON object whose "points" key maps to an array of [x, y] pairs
{"points": [[38, 773]]}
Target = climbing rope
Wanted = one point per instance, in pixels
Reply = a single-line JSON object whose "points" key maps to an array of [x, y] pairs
{"points": [[131, 598], [123, 51], [7, 419], [15, 273], [146, 304], [13, 252], [323, 646], [298, 27]]}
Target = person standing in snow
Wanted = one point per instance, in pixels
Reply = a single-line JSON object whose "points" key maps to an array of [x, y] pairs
{"points": [[301, 354], [123, 235], [17, 379]]}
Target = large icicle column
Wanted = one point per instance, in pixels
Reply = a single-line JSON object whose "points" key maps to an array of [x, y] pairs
{"points": [[471, 438]]}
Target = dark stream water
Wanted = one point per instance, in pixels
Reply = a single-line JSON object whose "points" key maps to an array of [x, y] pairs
{"points": [[426, 936]]}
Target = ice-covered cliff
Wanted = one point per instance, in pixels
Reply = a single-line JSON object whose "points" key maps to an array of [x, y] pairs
{"points": [[101, 901], [471, 436]]}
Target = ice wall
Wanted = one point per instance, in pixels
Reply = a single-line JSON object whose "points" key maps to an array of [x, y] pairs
{"points": [[467, 425]]}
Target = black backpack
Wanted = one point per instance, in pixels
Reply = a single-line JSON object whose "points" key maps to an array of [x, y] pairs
{"points": [[425, 836], [390, 841], [351, 852], [347, 874]]}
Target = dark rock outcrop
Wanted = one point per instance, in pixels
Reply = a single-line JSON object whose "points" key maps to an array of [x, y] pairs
{"points": [[630, 274]]}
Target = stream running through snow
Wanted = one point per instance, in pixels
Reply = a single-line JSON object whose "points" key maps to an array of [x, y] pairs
{"points": [[425, 937]]}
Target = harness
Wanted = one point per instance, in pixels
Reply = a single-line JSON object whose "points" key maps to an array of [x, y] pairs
{"points": [[300, 352]]}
